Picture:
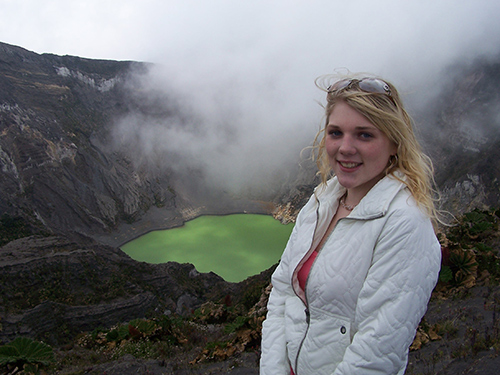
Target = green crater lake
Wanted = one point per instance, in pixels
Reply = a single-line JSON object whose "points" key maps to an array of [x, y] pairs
{"points": [[232, 246]]}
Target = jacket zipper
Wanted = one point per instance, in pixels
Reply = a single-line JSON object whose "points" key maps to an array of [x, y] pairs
{"points": [[308, 315], [307, 312]]}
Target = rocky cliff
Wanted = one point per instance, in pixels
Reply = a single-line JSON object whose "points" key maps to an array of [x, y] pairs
{"points": [[463, 136], [57, 170]]}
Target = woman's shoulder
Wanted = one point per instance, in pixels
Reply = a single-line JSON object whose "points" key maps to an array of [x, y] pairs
{"points": [[404, 202], [404, 213]]}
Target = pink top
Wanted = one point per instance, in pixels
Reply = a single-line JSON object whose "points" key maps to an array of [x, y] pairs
{"points": [[304, 270]]}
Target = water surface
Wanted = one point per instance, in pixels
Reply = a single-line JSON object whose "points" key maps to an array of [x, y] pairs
{"points": [[233, 246]]}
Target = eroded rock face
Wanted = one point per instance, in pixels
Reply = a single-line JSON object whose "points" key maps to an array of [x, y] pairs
{"points": [[57, 165], [53, 287], [461, 131]]}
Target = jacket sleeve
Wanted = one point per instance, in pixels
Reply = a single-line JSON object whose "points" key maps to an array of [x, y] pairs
{"points": [[274, 359], [394, 296]]}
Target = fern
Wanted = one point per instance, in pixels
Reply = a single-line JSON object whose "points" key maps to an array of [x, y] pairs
{"points": [[445, 275], [26, 351], [118, 334], [480, 227], [147, 327]]}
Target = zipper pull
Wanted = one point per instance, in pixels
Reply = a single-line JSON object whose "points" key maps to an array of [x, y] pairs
{"points": [[308, 316]]}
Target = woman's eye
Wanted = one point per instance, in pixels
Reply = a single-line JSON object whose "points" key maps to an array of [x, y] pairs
{"points": [[365, 135], [334, 133]]}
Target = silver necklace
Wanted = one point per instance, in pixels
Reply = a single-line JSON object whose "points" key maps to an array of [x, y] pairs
{"points": [[346, 206]]}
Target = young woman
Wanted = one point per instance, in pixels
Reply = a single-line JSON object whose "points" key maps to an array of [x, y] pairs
{"points": [[360, 265]]}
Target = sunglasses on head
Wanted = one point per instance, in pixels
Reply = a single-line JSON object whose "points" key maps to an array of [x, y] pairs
{"points": [[370, 85]]}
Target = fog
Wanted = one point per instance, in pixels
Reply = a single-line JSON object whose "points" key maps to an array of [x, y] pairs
{"points": [[243, 136], [236, 79]]}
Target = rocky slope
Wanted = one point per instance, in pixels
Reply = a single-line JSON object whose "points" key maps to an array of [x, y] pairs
{"points": [[56, 170], [63, 183], [53, 288], [463, 136]]}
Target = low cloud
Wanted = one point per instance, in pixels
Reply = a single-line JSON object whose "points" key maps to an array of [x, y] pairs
{"points": [[240, 139], [236, 80]]}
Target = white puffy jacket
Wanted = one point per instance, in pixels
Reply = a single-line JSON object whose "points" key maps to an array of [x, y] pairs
{"points": [[366, 292]]}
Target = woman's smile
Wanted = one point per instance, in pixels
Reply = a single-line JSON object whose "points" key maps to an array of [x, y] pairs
{"points": [[348, 165]]}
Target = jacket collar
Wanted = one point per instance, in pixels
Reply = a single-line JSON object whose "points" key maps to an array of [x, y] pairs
{"points": [[374, 204]]}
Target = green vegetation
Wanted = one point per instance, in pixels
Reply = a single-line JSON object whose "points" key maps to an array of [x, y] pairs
{"points": [[470, 258], [26, 355], [143, 338], [234, 330], [238, 323], [468, 253]]}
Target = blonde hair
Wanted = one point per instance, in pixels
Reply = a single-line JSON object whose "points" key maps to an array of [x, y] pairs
{"points": [[387, 113]]}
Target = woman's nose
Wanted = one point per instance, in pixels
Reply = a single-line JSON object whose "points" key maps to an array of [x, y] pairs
{"points": [[347, 146]]}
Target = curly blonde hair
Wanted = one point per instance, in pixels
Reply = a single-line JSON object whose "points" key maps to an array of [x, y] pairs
{"points": [[385, 110]]}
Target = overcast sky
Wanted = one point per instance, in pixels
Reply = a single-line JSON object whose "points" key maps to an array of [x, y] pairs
{"points": [[312, 36], [260, 57]]}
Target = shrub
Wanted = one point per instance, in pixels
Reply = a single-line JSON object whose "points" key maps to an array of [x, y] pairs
{"points": [[238, 323]]}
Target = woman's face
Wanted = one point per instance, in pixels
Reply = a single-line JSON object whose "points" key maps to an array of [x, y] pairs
{"points": [[358, 151]]}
